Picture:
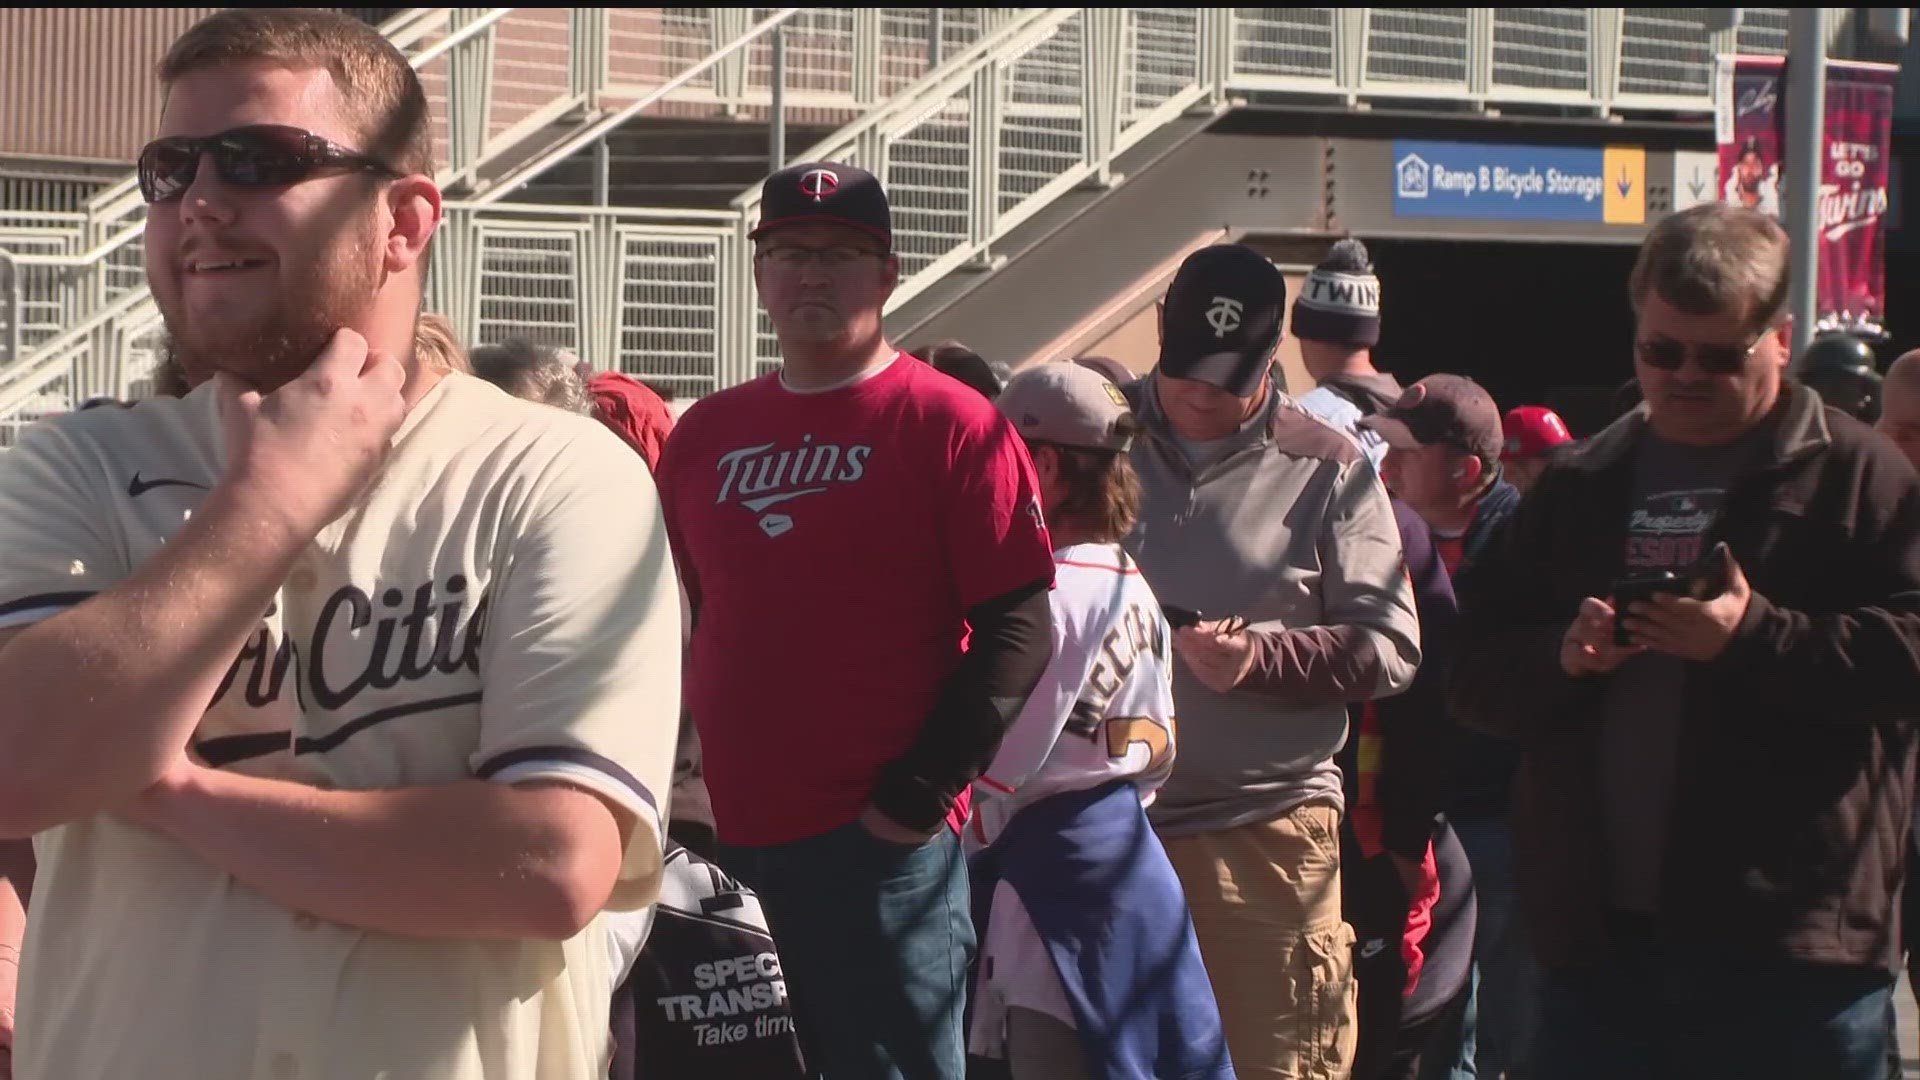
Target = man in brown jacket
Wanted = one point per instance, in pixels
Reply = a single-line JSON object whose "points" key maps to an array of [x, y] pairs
{"points": [[1713, 806]]}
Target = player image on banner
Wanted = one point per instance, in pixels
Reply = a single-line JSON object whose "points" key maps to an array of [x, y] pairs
{"points": [[1750, 125], [1750, 128], [1755, 183]]}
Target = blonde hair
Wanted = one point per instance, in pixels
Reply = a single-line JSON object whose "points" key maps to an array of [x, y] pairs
{"points": [[380, 92], [1715, 259], [436, 347]]}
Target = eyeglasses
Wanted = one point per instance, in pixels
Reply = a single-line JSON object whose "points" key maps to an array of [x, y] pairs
{"points": [[259, 155], [1667, 354], [833, 258]]}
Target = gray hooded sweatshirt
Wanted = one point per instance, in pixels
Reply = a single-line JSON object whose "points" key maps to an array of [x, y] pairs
{"points": [[1288, 526], [1343, 400]]}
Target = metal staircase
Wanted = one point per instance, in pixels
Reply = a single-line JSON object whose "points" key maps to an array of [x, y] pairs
{"points": [[602, 164]]}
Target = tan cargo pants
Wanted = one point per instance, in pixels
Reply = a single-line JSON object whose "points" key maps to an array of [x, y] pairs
{"points": [[1266, 907]]}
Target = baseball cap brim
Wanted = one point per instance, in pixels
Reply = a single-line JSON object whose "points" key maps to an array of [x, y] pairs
{"points": [[1394, 433], [766, 227], [1229, 371]]}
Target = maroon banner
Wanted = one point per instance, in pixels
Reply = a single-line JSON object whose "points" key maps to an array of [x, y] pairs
{"points": [[1751, 125]]}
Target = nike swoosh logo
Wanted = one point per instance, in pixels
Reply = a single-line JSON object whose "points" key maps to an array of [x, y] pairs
{"points": [[757, 505], [1372, 948], [137, 487]]}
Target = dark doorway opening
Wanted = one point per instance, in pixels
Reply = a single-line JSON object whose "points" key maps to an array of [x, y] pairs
{"points": [[1536, 324]]}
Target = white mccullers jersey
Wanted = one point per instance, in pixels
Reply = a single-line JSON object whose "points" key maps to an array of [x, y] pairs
{"points": [[1103, 711], [1104, 708], [498, 605]]}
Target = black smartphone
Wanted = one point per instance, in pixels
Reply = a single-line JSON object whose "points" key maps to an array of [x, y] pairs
{"points": [[1179, 617], [1635, 588], [1704, 580]]}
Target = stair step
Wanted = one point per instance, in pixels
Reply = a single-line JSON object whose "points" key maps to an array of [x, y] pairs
{"points": [[748, 161], [677, 197], [647, 170]]}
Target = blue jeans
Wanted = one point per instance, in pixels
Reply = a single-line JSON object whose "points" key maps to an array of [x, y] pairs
{"points": [[874, 939], [1669, 1015], [1494, 1033]]}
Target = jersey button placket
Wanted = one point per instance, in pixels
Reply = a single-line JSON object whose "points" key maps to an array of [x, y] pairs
{"points": [[290, 1042]]}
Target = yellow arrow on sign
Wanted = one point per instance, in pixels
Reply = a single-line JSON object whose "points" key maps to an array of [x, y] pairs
{"points": [[1625, 170]]}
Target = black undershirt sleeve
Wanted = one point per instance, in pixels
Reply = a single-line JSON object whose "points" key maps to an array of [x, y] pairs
{"points": [[1010, 647]]}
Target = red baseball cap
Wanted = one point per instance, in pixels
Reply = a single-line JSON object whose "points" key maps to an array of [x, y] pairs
{"points": [[1532, 430]]}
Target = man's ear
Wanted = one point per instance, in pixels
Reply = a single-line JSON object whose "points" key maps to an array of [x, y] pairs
{"points": [[1160, 321], [1469, 468], [414, 203], [1046, 461], [1783, 336]]}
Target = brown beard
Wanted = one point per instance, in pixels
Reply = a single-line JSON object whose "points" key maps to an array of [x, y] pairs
{"points": [[272, 350]]}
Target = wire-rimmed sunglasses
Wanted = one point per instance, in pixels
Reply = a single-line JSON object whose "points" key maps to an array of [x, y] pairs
{"points": [[258, 155], [1667, 354], [836, 258]]}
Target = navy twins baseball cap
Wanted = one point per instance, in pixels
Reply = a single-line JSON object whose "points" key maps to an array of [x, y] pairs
{"points": [[1222, 318], [825, 192]]}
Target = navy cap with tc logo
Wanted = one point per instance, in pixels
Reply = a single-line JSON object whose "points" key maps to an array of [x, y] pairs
{"points": [[1221, 322], [825, 192]]}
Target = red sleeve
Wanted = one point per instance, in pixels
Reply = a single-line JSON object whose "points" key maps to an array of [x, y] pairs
{"points": [[665, 479], [996, 540]]}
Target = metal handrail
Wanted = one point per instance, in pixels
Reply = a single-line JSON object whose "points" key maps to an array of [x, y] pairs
{"points": [[412, 24], [526, 171], [109, 197], [86, 258], [21, 384], [27, 219], [659, 213], [456, 39], [15, 311]]}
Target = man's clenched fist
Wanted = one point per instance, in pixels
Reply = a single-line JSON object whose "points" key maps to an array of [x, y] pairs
{"points": [[311, 447]]}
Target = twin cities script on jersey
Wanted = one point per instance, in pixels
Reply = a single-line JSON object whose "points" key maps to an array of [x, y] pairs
{"points": [[333, 675]]}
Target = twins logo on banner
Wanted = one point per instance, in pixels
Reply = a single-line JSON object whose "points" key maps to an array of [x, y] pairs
{"points": [[1750, 119]]}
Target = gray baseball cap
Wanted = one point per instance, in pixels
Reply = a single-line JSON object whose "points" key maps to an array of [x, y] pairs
{"points": [[1069, 405]]}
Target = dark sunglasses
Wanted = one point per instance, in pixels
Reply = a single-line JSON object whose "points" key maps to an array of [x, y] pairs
{"points": [[1667, 354], [259, 155]]}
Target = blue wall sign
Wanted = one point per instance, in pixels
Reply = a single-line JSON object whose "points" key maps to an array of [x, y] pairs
{"points": [[1519, 183]]}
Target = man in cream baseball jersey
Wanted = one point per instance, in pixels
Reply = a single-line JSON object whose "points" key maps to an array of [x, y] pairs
{"points": [[340, 694]]}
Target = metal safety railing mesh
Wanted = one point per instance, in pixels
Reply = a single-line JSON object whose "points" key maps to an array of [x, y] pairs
{"points": [[1024, 104]]}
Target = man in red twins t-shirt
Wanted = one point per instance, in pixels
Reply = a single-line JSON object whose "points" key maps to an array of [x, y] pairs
{"points": [[861, 541]]}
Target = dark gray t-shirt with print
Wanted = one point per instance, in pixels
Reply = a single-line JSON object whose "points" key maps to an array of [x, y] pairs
{"points": [[1676, 498]]}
